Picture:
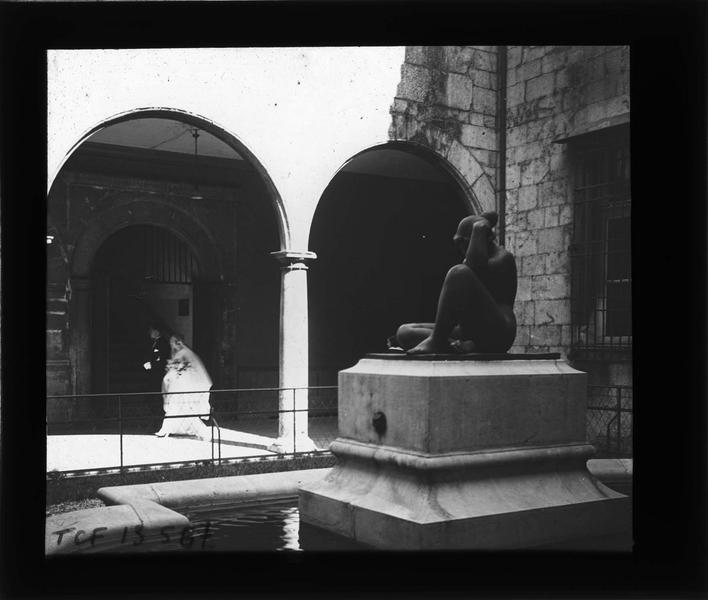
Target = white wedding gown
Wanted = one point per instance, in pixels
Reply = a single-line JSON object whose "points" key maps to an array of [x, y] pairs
{"points": [[186, 373]]}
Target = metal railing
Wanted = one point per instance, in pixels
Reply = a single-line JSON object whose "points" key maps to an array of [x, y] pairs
{"points": [[609, 420], [93, 419]]}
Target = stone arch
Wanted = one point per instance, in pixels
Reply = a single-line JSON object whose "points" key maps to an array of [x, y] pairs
{"points": [[128, 211], [147, 211], [284, 229], [451, 155]]}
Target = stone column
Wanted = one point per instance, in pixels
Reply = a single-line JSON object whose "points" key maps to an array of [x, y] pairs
{"points": [[293, 353]]}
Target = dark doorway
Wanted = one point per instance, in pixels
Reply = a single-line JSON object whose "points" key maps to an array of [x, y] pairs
{"points": [[143, 274], [383, 236]]}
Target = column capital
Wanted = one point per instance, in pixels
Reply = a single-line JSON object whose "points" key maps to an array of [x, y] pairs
{"points": [[293, 259]]}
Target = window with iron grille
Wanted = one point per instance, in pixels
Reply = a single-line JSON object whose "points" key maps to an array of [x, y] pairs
{"points": [[167, 259], [601, 280]]}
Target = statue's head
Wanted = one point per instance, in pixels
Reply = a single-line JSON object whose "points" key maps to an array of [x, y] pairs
{"points": [[464, 229]]}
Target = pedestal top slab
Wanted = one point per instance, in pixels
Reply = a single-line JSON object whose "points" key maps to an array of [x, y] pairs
{"points": [[436, 366], [470, 356]]}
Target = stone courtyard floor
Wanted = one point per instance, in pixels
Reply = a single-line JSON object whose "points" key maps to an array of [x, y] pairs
{"points": [[68, 452]]}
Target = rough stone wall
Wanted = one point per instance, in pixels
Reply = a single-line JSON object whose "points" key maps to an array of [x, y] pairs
{"points": [[447, 101], [551, 91], [61, 375]]}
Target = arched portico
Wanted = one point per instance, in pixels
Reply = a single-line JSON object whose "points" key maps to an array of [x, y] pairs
{"points": [[301, 314], [150, 209]]}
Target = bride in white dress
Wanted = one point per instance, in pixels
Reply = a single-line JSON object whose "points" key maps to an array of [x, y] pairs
{"points": [[185, 372]]}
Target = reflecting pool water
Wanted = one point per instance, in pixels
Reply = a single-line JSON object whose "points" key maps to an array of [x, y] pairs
{"points": [[259, 527], [274, 525]]}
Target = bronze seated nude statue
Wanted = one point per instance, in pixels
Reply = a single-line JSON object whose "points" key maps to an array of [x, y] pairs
{"points": [[476, 305]]}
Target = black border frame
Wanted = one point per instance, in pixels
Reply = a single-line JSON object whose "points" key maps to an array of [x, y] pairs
{"points": [[668, 66]]}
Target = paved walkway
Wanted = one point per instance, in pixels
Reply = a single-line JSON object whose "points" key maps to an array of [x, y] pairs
{"points": [[322, 430], [102, 450]]}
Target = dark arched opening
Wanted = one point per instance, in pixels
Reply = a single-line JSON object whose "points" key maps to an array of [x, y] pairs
{"points": [[142, 274], [383, 236]]}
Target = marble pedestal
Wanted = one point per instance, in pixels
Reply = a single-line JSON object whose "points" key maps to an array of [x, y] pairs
{"points": [[470, 452]]}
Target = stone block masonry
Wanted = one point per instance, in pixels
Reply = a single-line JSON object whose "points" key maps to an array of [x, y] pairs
{"points": [[551, 91], [448, 96]]}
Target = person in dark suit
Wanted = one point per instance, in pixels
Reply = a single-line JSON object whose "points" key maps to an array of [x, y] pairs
{"points": [[157, 358]]}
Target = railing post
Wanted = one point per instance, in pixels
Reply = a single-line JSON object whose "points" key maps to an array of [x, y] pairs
{"points": [[120, 429], [619, 419], [295, 416], [218, 431]]}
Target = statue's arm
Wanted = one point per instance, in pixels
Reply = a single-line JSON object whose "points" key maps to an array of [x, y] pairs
{"points": [[477, 255]]}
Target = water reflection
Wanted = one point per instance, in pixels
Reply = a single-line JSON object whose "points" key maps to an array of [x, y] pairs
{"points": [[291, 529], [259, 527], [275, 526]]}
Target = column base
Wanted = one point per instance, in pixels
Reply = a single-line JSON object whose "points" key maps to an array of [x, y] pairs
{"points": [[289, 445]]}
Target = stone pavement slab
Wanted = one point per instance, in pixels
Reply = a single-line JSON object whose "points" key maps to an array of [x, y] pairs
{"points": [[74, 452], [240, 439]]}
